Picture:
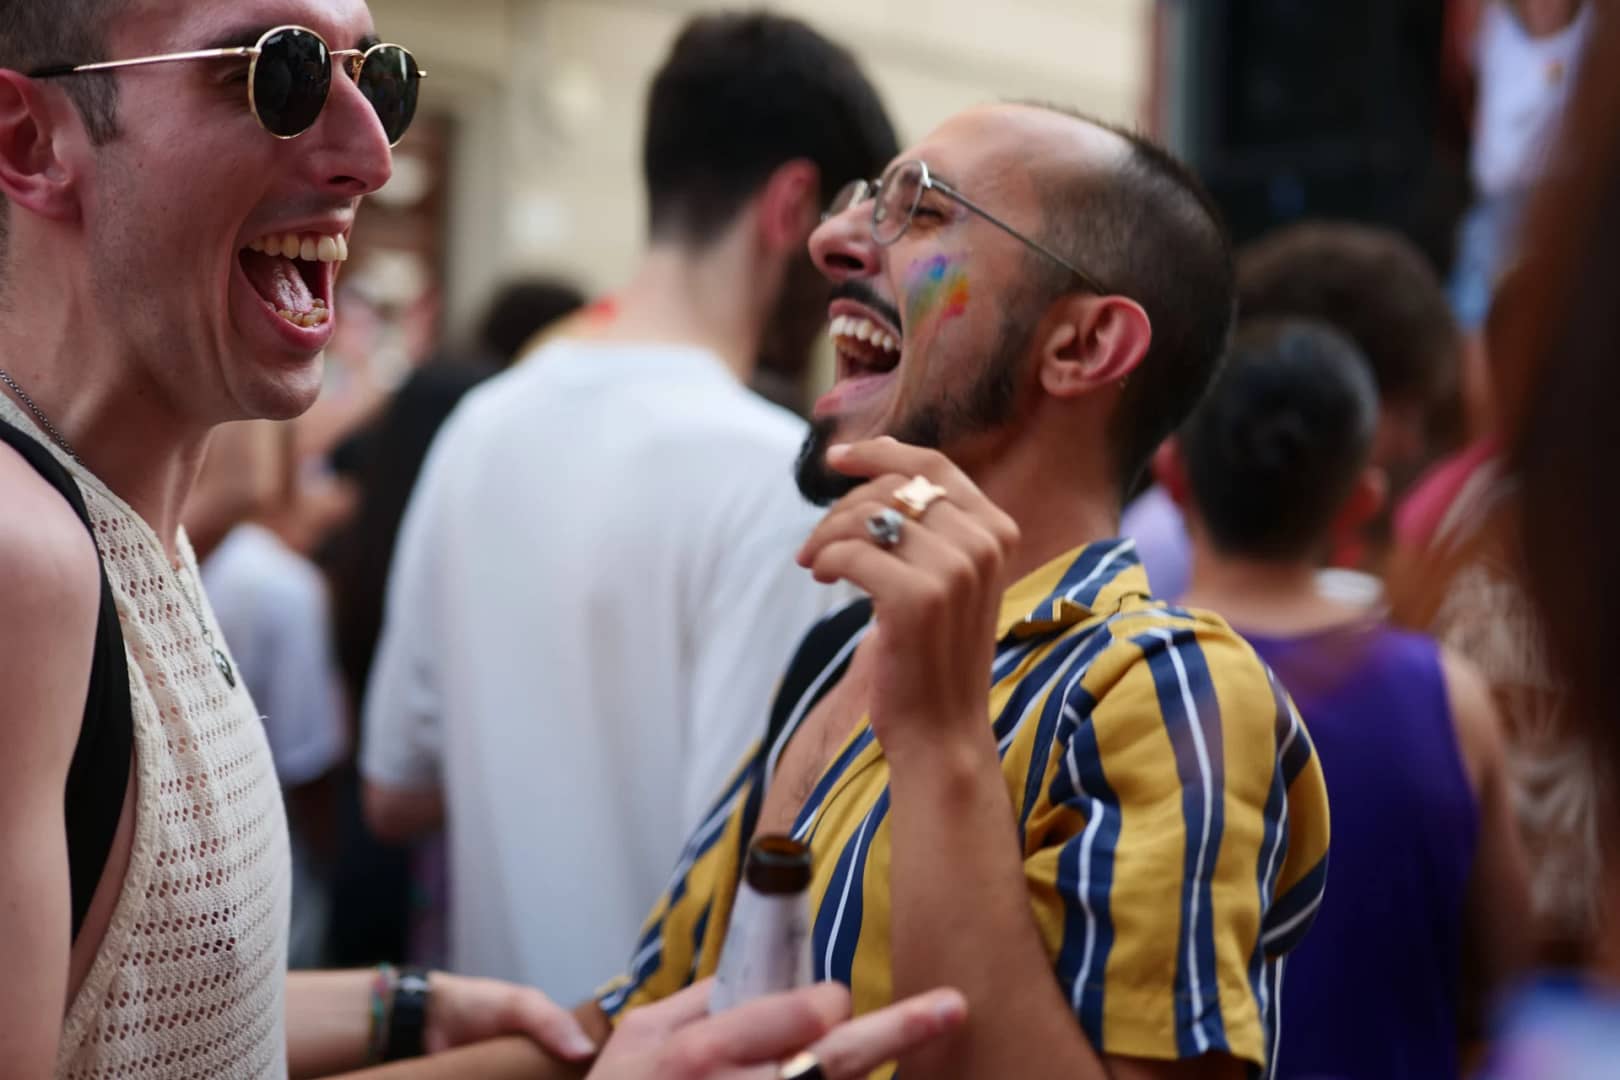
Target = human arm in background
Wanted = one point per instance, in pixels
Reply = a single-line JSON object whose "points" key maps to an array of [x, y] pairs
{"points": [[329, 1020], [1497, 947]]}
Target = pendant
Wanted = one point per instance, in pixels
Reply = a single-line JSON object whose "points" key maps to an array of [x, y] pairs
{"points": [[224, 666]]}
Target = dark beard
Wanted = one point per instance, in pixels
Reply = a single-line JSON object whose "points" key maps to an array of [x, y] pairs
{"points": [[988, 405]]}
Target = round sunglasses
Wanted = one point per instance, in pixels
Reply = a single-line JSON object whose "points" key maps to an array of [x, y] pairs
{"points": [[290, 78]]}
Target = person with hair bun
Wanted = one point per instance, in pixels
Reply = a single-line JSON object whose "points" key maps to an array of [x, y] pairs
{"points": [[1427, 879]]}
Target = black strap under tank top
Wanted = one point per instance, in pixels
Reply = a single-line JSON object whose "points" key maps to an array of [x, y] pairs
{"points": [[99, 773]]}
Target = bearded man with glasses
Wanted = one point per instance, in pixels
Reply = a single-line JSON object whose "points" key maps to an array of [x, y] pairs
{"points": [[1096, 815]]}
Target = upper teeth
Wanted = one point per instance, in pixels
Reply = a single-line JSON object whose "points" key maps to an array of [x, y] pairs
{"points": [[863, 329], [310, 247]]}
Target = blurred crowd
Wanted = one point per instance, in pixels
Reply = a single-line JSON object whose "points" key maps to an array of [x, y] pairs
{"points": [[512, 620]]}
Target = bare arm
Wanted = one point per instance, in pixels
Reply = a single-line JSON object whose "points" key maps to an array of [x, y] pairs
{"points": [[399, 815], [1499, 888], [977, 899], [51, 594], [329, 1021]]}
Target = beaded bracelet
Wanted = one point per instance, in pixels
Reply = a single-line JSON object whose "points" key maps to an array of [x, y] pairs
{"points": [[383, 986]]}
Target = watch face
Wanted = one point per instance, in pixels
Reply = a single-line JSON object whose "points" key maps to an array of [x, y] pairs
{"points": [[413, 983]]}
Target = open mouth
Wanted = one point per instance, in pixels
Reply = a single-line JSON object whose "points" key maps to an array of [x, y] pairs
{"points": [[294, 273], [864, 348]]}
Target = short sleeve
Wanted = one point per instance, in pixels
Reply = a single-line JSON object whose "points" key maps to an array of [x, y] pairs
{"points": [[1169, 832]]}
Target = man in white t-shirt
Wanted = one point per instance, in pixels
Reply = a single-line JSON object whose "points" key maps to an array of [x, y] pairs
{"points": [[594, 589]]}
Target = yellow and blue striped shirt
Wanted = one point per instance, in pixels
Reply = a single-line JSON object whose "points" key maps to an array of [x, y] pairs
{"points": [[1171, 809]]}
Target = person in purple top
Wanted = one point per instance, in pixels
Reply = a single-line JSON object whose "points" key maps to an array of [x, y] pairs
{"points": [[1427, 880]]}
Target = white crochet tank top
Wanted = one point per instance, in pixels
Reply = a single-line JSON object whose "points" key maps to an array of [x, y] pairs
{"points": [[190, 978]]}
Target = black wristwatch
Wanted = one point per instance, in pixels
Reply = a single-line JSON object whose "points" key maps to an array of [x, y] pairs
{"points": [[407, 1017]]}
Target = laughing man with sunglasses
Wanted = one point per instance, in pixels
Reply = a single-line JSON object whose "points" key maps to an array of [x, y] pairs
{"points": [[180, 181]]}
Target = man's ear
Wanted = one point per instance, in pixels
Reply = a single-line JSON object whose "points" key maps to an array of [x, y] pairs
{"points": [[1364, 502], [33, 174], [1089, 342], [789, 205], [1169, 468]]}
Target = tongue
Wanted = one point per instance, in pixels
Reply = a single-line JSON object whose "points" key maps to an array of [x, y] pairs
{"points": [[278, 282]]}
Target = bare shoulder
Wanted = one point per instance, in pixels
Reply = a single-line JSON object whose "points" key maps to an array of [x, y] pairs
{"points": [[1474, 717], [44, 547], [50, 579]]}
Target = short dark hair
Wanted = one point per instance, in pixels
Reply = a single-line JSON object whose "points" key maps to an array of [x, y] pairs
{"points": [[1151, 232], [1370, 282], [520, 310], [44, 33], [1277, 443], [740, 96]]}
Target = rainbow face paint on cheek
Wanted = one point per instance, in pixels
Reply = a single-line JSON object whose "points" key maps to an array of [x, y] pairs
{"points": [[935, 285]]}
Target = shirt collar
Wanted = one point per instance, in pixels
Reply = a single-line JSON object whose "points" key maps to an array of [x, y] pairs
{"points": [[1071, 588]]}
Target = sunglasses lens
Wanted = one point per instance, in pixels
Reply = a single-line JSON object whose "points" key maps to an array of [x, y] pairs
{"points": [[290, 81], [390, 79]]}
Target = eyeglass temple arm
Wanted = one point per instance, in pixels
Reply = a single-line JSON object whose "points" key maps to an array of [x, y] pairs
{"points": [[1089, 281], [241, 52]]}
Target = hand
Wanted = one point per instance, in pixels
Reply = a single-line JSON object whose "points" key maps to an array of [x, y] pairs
{"points": [[676, 1039], [465, 1010], [936, 595]]}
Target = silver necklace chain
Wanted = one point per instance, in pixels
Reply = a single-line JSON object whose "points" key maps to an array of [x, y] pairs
{"points": [[221, 661], [45, 421]]}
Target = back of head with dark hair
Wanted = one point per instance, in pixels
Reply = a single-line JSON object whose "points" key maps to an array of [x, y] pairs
{"points": [[1149, 231], [740, 96], [522, 309], [1276, 446], [1370, 282]]}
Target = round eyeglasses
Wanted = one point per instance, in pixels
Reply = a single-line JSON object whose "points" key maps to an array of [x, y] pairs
{"points": [[897, 195], [290, 78]]}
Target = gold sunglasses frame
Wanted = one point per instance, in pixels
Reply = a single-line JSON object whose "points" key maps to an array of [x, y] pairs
{"points": [[353, 60]]}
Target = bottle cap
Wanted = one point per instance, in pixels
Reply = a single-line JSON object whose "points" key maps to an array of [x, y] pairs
{"points": [[777, 865]]}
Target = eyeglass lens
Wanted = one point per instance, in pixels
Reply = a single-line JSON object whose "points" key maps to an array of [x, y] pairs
{"points": [[898, 194], [292, 79], [292, 76], [390, 79]]}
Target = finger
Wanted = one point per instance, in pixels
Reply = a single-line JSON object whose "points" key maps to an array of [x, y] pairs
{"points": [[552, 1026], [883, 575], [946, 540], [854, 1049], [867, 499], [876, 457], [847, 521], [768, 1029], [680, 1009]]}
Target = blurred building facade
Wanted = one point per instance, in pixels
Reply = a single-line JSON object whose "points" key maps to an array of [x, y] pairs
{"points": [[540, 105]]}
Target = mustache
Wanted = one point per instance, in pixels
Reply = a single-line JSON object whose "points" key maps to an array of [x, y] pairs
{"points": [[862, 293]]}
